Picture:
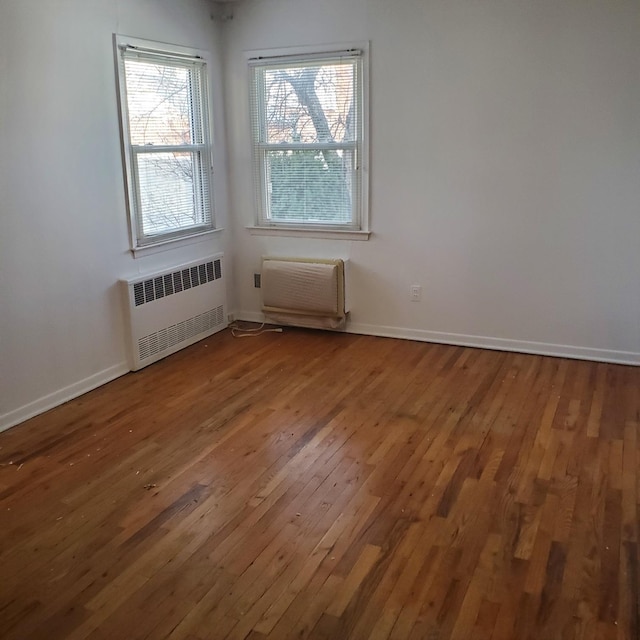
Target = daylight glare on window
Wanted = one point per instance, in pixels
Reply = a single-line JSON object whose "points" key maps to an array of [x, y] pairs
{"points": [[310, 104], [166, 117], [308, 117], [158, 97]]}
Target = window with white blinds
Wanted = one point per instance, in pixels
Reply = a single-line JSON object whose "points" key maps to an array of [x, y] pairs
{"points": [[167, 142], [308, 139]]}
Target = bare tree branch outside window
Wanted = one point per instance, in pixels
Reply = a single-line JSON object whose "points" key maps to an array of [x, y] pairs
{"points": [[160, 100], [309, 113]]}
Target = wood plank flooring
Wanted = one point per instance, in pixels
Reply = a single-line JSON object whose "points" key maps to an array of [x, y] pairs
{"points": [[319, 485]]}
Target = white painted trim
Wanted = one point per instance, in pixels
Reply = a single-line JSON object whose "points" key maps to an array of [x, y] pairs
{"points": [[309, 232], [173, 243], [248, 316], [139, 246], [61, 396], [303, 53], [481, 342], [70, 392], [499, 344]]}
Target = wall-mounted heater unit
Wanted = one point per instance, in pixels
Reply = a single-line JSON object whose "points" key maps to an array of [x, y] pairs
{"points": [[305, 292], [172, 309]]}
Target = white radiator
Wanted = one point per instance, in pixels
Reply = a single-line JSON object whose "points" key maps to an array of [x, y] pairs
{"points": [[304, 292], [172, 309]]}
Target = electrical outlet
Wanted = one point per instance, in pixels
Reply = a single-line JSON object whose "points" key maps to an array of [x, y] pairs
{"points": [[415, 292], [257, 280]]}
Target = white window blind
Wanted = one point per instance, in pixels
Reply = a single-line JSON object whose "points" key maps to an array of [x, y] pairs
{"points": [[308, 139], [166, 136]]}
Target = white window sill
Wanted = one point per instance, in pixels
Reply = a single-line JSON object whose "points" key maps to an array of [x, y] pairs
{"points": [[173, 243], [305, 232]]}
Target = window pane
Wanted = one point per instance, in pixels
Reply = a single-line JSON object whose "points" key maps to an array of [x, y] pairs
{"points": [[159, 102], [309, 186], [170, 191], [310, 103]]}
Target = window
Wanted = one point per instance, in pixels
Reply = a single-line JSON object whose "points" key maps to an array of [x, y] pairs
{"points": [[166, 141], [308, 122]]}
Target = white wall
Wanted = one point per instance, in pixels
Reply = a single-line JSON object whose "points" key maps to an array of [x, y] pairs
{"points": [[505, 138], [63, 226], [505, 168]]}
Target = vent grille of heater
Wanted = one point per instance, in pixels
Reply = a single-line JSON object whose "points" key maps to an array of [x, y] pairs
{"points": [[169, 337], [171, 309], [175, 282]]}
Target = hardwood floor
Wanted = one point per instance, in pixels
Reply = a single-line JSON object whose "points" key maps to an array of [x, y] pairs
{"points": [[333, 486]]}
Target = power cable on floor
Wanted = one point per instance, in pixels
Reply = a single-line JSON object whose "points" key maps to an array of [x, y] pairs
{"points": [[251, 332]]}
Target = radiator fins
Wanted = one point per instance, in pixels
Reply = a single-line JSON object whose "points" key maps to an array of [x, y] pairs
{"points": [[169, 311], [175, 282]]}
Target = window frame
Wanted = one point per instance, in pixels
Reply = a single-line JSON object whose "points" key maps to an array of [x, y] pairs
{"points": [[142, 242], [260, 60]]}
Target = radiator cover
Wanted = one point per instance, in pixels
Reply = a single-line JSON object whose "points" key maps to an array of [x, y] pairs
{"points": [[174, 308]]}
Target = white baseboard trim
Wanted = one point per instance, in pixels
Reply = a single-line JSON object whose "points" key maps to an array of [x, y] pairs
{"points": [[482, 342], [499, 344], [248, 316], [70, 392], [56, 398]]}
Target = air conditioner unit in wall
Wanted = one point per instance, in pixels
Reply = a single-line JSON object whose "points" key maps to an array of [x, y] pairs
{"points": [[306, 292]]}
